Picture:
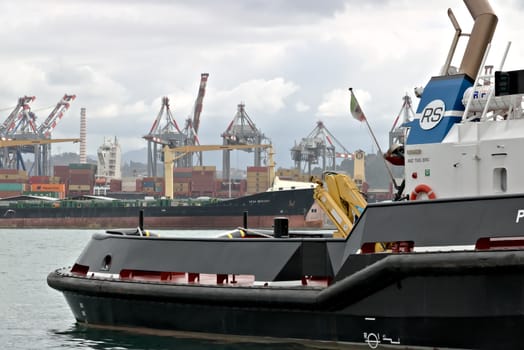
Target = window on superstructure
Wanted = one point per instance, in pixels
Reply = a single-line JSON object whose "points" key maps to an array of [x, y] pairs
{"points": [[500, 180]]}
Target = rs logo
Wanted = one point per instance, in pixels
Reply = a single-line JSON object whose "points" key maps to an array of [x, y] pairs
{"points": [[432, 114]]}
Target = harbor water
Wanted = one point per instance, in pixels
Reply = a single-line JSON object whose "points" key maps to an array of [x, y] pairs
{"points": [[34, 316]]}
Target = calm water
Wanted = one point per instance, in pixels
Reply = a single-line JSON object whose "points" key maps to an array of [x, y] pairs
{"points": [[34, 316]]}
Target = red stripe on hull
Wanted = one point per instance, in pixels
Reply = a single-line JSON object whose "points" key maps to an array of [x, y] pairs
{"points": [[175, 222]]}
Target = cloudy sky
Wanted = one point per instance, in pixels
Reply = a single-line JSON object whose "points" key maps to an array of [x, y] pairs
{"points": [[290, 62]]}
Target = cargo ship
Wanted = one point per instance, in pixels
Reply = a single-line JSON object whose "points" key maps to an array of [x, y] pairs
{"points": [[297, 204]]}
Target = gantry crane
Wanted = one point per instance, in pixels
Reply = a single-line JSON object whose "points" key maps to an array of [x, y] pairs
{"points": [[46, 128], [165, 131], [241, 131], [397, 132], [320, 144], [21, 120], [172, 154], [21, 124], [9, 122]]}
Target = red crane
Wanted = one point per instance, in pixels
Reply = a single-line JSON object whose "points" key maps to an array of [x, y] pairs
{"points": [[199, 101], [193, 123], [55, 116], [9, 122]]}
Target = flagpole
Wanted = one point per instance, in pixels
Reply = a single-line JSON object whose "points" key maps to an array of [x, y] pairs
{"points": [[379, 149]]}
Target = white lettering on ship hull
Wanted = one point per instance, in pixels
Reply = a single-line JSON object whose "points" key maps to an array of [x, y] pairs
{"points": [[520, 215]]}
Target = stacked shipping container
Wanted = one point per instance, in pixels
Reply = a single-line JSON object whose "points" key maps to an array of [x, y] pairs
{"points": [[151, 186], [203, 181], [12, 182], [182, 182], [257, 179], [81, 179]]}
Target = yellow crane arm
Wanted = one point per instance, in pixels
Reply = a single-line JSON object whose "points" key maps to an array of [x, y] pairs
{"points": [[341, 201], [28, 142], [172, 154], [199, 148]]}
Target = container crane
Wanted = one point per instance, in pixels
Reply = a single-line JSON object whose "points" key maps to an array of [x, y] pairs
{"points": [[397, 134], [9, 122], [22, 125], [164, 131], [46, 128], [241, 131], [21, 121], [172, 154], [319, 144]]}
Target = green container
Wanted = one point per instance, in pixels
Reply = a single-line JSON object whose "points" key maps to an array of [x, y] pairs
{"points": [[82, 166], [11, 186]]}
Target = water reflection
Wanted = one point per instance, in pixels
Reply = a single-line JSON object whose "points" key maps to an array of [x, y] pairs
{"points": [[81, 337]]}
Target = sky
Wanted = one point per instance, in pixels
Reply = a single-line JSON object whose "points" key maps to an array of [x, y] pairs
{"points": [[290, 62]]}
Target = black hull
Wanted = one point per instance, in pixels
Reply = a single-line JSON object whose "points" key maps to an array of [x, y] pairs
{"points": [[447, 332], [456, 283], [262, 208], [456, 300]]}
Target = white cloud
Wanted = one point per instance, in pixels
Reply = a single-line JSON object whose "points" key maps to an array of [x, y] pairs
{"points": [[259, 95], [302, 107], [336, 103]]}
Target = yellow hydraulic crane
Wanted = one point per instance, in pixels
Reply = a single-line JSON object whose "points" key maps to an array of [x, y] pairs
{"points": [[341, 201], [171, 154]]}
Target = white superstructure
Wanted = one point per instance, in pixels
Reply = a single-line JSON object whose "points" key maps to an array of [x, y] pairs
{"points": [[109, 159]]}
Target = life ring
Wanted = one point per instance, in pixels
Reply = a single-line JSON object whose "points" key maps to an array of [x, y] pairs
{"points": [[422, 188]]}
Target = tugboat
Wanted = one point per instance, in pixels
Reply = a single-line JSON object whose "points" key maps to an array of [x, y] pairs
{"points": [[442, 272]]}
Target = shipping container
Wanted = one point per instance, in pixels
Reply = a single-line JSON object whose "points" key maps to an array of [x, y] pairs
{"points": [[186, 180], [55, 180], [148, 184], [61, 172], [81, 179], [209, 185], [14, 176], [75, 166], [115, 185], [82, 172], [8, 171], [12, 186], [47, 187], [139, 185], [205, 168], [73, 187], [153, 179], [258, 169], [182, 172], [182, 189], [39, 179]]}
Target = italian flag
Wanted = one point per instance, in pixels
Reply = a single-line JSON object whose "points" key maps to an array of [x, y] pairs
{"points": [[355, 108]]}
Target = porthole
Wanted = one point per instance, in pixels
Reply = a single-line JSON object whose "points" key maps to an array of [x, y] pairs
{"points": [[106, 263]]}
